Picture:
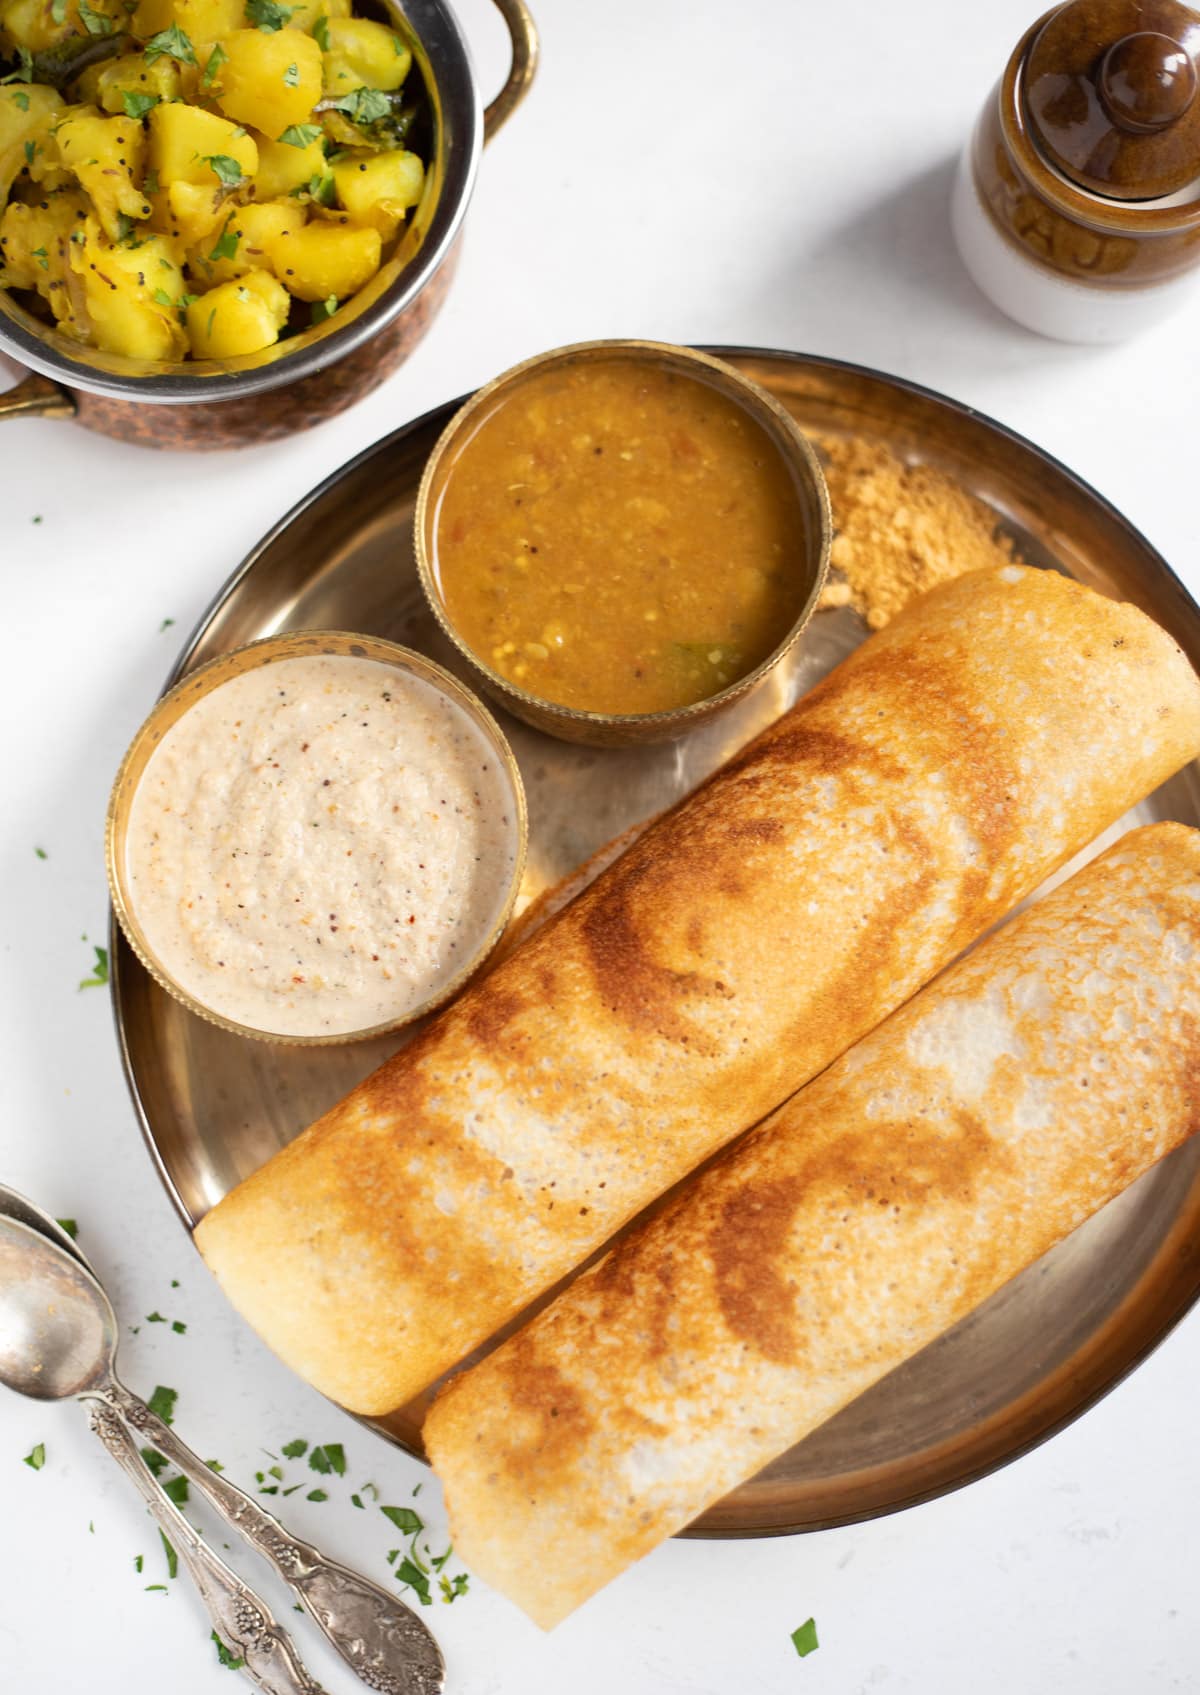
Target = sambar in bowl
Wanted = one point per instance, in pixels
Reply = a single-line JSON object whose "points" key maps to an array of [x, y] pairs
{"points": [[622, 538]]}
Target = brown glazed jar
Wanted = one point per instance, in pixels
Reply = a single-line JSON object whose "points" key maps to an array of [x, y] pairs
{"points": [[302, 381], [1077, 201]]}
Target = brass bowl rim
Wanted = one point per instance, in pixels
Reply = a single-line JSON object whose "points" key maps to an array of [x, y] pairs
{"points": [[674, 721], [287, 644]]}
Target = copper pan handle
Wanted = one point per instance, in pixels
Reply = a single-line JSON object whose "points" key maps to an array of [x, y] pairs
{"points": [[37, 397], [523, 33]]}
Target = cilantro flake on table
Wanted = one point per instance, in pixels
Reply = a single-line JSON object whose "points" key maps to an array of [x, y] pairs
{"points": [[155, 1462], [35, 1459], [214, 1465], [230, 1660], [172, 43], [138, 1562], [406, 1521], [416, 1579], [327, 1457], [178, 1326], [42, 854], [316, 1495], [176, 1489], [155, 1317], [804, 1638], [169, 1551], [453, 1587], [293, 1450], [166, 625], [160, 1587], [99, 976], [162, 1403], [69, 1225], [356, 1501]]}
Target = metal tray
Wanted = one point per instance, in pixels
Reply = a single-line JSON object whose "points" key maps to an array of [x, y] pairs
{"points": [[214, 1107]]}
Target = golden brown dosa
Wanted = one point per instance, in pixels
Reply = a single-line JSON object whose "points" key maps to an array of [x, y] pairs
{"points": [[950, 1148], [749, 937]]}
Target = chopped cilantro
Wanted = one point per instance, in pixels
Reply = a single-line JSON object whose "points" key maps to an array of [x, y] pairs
{"points": [[418, 1490], [230, 1660], [316, 1495], [291, 76], [407, 1572], [216, 59], [214, 1465], [94, 22], [150, 183], [212, 318], [173, 43], [99, 974], [137, 105], [300, 135], [176, 1489], [178, 1326], [453, 1587], [405, 1520], [227, 169], [437, 1561], [35, 1459], [322, 189], [124, 226], [227, 242], [174, 1280], [293, 1488], [67, 1224], [321, 33], [162, 1403], [155, 1461], [155, 1317], [39, 253], [276, 1472], [363, 105], [356, 1500], [268, 15], [20, 99], [323, 309], [162, 298], [58, 11], [172, 1556], [30, 150], [160, 1587], [138, 1562], [330, 1457], [42, 854], [804, 1638], [399, 47], [293, 1450]]}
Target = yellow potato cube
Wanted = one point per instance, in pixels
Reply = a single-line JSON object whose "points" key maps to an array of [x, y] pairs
{"points": [[238, 317], [133, 294], [194, 212], [200, 20], [107, 85], [327, 259], [378, 188], [184, 140], [33, 24], [34, 244], [311, 13], [27, 113], [106, 155], [362, 54], [271, 81], [283, 167], [246, 241]]}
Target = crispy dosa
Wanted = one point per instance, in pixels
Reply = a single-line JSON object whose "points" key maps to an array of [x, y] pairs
{"points": [[752, 934], [1027, 1086]]}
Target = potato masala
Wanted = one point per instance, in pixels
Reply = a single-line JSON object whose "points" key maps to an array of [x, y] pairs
{"points": [[197, 178]]}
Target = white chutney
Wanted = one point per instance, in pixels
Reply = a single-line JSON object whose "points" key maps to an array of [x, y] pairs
{"points": [[318, 845]]}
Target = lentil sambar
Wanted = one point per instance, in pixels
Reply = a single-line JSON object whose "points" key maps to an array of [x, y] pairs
{"points": [[620, 537]]}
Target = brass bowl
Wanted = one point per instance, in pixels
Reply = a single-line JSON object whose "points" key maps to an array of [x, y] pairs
{"points": [[606, 729], [172, 706]]}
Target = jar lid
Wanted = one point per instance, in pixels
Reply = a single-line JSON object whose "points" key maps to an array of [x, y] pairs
{"points": [[1112, 89]]}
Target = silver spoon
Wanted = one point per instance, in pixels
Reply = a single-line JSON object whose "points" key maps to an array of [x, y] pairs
{"points": [[58, 1338]]}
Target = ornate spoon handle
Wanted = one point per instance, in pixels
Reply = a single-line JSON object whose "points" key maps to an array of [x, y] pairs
{"points": [[240, 1618], [380, 1638]]}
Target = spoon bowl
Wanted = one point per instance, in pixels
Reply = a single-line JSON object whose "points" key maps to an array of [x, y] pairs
{"points": [[58, 1331]]}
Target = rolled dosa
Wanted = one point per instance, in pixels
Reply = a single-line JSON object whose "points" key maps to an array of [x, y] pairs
{"points": [[745, 940], [950, 1148]]}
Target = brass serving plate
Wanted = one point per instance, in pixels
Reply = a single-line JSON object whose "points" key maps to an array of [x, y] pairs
{"points": [[214, 1107]]}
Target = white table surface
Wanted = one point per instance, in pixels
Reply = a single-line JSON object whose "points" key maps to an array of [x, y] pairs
{"points": [[695, 172]]}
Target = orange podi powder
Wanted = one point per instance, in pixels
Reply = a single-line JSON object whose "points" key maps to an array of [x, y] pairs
{"points": [[618, 538]]}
